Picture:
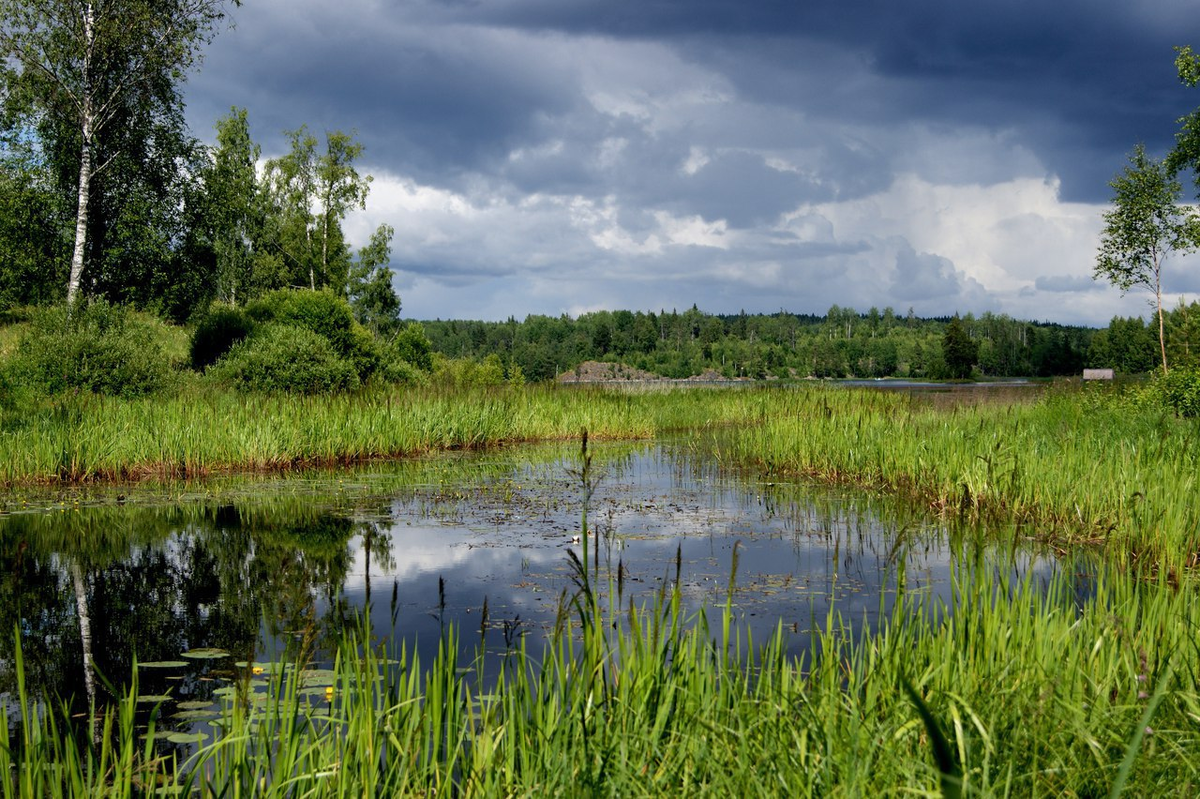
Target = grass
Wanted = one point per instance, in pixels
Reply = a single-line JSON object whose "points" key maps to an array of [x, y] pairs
{"points": [[1033, 692], [1081, 686], [1074, 468], [203, 432]]}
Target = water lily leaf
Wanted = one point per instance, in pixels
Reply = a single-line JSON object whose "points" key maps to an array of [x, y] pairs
{"points": [[198, 704], [195, 715], [159, 735], [316, 677], [163, 664], [187, 737], [205, 653], [264, 668], [146, 699]]}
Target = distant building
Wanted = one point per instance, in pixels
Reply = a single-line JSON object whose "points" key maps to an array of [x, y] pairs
{"points": [[1097, 374]]}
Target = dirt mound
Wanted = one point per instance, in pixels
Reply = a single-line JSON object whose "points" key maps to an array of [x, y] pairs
{"points": [[597, 372]]}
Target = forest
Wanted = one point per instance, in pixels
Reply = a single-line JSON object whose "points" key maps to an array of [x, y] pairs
{"points": [[842, 343]]}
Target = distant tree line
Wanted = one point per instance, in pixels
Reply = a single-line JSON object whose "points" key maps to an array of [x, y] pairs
{"points": [[842, 343]]}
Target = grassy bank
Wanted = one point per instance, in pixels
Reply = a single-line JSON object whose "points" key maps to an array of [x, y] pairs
{"points": [[1073, 467], [200, 432], [1033, 695]]}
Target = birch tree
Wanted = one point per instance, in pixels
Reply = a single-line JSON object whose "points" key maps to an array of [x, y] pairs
{"points": [[309, 194], [1145, 225], [81, 61], [232, 207], [342, 188]]}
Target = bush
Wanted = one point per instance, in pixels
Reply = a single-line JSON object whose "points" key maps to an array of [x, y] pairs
{"points": [[326, 314], [1179, 390], [465, 373], [98, 347], [283, 357], [401, 372], [216, 334], [412, 345]]}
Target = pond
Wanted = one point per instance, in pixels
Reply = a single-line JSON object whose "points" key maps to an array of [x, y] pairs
{"points": [[190, 579]]}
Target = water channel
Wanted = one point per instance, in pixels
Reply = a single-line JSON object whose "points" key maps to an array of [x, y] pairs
{"points": [[238, 569]]}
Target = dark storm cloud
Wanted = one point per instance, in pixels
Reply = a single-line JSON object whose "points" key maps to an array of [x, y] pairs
{"points": [[680, 146], [1081, 80]]}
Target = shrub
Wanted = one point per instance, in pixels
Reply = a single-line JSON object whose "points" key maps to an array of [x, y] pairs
{"points": [[1179, 390], [326, 314], [284, 357], [466, 373], [401, 372], [412, 345], [98, 347], [216, 334]]}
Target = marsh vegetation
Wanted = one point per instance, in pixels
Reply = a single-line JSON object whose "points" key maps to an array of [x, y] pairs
{"points": [[1050, 646]]}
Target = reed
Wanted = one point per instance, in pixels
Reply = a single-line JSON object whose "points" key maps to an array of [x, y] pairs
{"points": [[201, 432], [1073, 469], [1036, 692]]}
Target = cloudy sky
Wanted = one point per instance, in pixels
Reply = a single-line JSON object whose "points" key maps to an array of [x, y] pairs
{"points": [[562, 156]]}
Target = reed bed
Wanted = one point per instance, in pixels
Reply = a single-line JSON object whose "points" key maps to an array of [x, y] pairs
{"points": [[1073, 468], [204, 431], [1026, 689]]}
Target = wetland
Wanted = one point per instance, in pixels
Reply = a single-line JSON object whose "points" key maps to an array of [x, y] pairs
{"points": [[741, 590]]}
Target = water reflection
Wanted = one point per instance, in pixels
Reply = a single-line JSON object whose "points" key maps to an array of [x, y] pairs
{"points": [[251, 567]]}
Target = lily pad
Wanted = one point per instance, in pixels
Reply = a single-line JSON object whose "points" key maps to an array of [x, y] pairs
{"points": [[205, 653], [163, 664], [316, 690], [159, 735], [146, 699], [187, 737], [197, 704], [195, 715], [261, 667], [315, 677]]}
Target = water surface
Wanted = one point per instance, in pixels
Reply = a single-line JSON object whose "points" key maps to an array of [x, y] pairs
{"points": [[249, 567]]}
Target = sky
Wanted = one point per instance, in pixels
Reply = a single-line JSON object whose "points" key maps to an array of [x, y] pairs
{"points": [[567, 156]]}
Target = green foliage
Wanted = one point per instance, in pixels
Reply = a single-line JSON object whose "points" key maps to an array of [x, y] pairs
{"points": [[369, 284], [221, 328], [1145, 226], [32, 250], [98, 347], [230, 213], [285, 357], [412, 345], [843, 343], [326, 314], [958, 350], [462, 373], [1179, 390], [1127, 346]]}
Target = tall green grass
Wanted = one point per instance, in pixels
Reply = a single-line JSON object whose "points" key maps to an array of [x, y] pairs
{"points": [[203, 431], [1034, 691], [1073, 468]]}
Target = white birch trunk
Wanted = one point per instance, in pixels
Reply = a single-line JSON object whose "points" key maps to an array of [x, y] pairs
{"points": [[1162, 333], [85, 638], [87, 114], [81, 217]]}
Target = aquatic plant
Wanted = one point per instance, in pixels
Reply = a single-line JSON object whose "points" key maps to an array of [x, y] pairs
{"points": [[1034, 691]]}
